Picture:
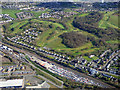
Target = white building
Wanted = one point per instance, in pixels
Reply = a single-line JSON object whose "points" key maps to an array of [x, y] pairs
{"points": [[11, 83]]}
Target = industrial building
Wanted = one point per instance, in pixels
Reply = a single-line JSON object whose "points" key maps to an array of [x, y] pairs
{"points": [[15, 83]]}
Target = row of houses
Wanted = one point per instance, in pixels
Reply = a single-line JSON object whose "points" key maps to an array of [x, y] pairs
{"points": [[111, 64], [14, 69], [10, 69], [45, 50], [14, 6], [24, 15], [7, 17], [57, 14], [5, 47], [33, 8], [28, 36], [58, 57], [21, 43], [94, 63], [84, 10]]}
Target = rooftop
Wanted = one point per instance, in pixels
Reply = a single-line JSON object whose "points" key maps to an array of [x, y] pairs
{"points": [[11, 83]]}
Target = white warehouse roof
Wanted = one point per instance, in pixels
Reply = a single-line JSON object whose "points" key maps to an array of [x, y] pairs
{"points": [[11, 83]]}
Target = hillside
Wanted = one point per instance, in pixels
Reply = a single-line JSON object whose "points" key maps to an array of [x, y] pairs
{"points": [[73, 39], [76, 35], [90, 24]]}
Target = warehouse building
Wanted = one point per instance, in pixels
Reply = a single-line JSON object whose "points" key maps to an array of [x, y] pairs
{"points": [[15, 83]]}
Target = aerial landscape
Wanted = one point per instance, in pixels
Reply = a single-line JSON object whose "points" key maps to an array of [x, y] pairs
{"points": [[57, 44]]}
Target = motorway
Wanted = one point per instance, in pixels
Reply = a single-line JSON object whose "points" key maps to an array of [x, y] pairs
{"points": [[74, 71]]}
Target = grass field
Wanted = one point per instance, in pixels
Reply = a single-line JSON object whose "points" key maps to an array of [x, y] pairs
{"points": [[51, 86], [17, 26], [87, 48], [87, 58], [12, 13], [113, 20], [95, 58], [50, 36], [109, 20], [48, 23], [113, 42], [82, 15], [56, 42], [53, 40], [38, 13], [42, 39], [48, 77]]}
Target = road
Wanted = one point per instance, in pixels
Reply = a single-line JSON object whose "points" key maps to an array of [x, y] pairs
{"points": [[99, 70], [49, 75], [110, 60], [50, 81], [76, 72], [38, 76]]}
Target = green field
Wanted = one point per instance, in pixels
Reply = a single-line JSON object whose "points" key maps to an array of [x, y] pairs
{"points": [[95, 58], [53, 40], [87, 58], [12, 13], [17, 26], [48, 23], [50, 35], [38, 13], [48, 77], [109, 20], [90, 59], [113, 20], [113, 42]]}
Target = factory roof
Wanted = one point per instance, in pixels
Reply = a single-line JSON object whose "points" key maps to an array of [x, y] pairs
{"points": [[11, 83]]}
